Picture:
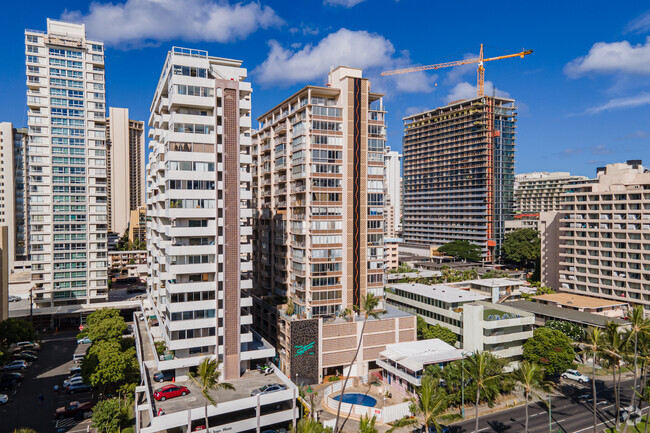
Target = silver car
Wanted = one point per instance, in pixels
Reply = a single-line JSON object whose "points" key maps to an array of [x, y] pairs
{"points": [[267, 389]]}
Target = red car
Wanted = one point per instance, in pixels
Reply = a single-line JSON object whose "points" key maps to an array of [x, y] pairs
{"points": [[170, 391]]}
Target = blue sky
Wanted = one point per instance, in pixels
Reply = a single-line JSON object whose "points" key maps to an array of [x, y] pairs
{"points": [[584, 94]]}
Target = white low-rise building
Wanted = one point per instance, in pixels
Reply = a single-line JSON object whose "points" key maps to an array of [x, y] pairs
{"points": [[404, 364]]}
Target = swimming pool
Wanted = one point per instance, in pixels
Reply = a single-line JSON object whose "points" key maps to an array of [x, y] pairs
{"points": [[356, 398]]}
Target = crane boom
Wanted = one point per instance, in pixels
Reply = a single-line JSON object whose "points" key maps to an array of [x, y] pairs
{"points": [[480, 72]]}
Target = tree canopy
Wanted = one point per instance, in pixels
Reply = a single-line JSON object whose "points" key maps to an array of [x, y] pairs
{"points": [[571, 330], [522, 246], [105, 324], [462, 250], [15, 330], [551, 349], [426, 332], [109, 365], [110, 415]]}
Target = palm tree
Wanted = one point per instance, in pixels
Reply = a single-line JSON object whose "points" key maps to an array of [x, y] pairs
{"points": [[594, 345], [368, 308], [614, 347], [24, 430], [367, 424], [485, 370], [639, 326], [431, 402], [531, 377], [206, 379], [309, 425]]}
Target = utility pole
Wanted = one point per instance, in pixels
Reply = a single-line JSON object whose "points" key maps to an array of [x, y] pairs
{"points": [[462, 388], [550, 418], [31, 305]]}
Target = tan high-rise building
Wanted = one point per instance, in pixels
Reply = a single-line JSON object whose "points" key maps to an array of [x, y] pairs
{"points": [[318, 182], [602, 236], [125, 159], [138, 225], [541, 191]]}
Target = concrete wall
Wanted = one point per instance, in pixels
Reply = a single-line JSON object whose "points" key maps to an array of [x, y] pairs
{"points": [[549, 227]]}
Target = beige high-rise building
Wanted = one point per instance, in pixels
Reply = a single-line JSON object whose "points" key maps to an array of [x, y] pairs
{"points": [[541, 191], [602, 236], [125, 158], [13, 193]]}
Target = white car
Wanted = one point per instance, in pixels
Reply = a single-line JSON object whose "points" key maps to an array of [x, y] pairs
{"points": [[575, 375], [4, 399], [72, 379]]}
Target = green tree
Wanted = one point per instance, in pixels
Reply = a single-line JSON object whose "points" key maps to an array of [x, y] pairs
{"points": [[15, 330], [367, 424], [639, 328], [522, 246], [110, 415], [309, 425], [551, 349], [530, 377], [427, 332], [486, 371], [206, 379], [462, 250], [594, 344], [430, 402], [105, 324], [368, 309], [495, 273], [108, 365], [613, 356], [571, 330], [24, 430]]}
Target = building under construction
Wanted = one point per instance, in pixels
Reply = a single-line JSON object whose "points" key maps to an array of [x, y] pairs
{"points": [[458, 176]]}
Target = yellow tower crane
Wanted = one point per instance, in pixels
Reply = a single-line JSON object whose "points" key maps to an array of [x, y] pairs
{"points": [[480, 73]]}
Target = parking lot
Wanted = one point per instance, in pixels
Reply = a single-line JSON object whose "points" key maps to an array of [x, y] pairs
{"points": [[51, 368]]}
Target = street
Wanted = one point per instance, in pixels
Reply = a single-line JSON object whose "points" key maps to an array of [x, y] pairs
{"points": [[569, 415]]}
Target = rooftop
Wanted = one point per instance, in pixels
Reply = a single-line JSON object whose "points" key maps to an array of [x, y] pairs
{"points": [[441, 292], [578, 301], [579, 317], [493, 282], [415, 355]]}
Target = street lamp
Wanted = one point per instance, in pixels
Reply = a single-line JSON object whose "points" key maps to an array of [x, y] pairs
{"points": [[462, 387], [550, 418]]}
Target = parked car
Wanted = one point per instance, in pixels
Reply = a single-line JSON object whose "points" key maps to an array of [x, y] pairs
{"points": [[72, 409], [164, 376], [13, 298], [23, 345], [4, 399], [16, 365], [267, 389], [575, 375], [84, 340], [7, 384], [78, 387], [16, 376], [73, 381], [27, 356], [75, 370], [170, 391]]}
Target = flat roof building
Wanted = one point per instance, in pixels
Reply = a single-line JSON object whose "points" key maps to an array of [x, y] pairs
{"points": [[458, 174], [544, 313], [588, 304], [541, 191]]}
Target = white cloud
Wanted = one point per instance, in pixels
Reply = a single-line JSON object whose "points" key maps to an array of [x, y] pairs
{"points": [[358, 49], [612, 58], [621, 103], [465, 90], [457, 73], [344, 3], [140, 21], [640, 24]]}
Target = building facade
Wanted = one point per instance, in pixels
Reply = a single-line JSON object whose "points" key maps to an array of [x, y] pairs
{"points": [[138, 225], [541, 191], [393, 192], [13, 193], [67, 165], [603, 235], [198, 198], [459, 174], [125, 164], [318, 173]]}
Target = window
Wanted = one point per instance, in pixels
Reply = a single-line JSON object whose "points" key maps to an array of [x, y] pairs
{"points": [[376, 145], [326, 111], [190, 72], [194, 90], [325, 126]]}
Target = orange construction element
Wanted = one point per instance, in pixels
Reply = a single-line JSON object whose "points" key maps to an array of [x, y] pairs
{"points": [[480, 73]]}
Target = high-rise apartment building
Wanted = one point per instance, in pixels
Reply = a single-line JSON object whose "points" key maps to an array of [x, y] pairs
{"points": [[319, 195], [125, 163], [541, 191], [318, 182], [138, 224], [459, 174], [13, 193], [599, 242], [67, 165], [198, 191], [393, 192]]}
